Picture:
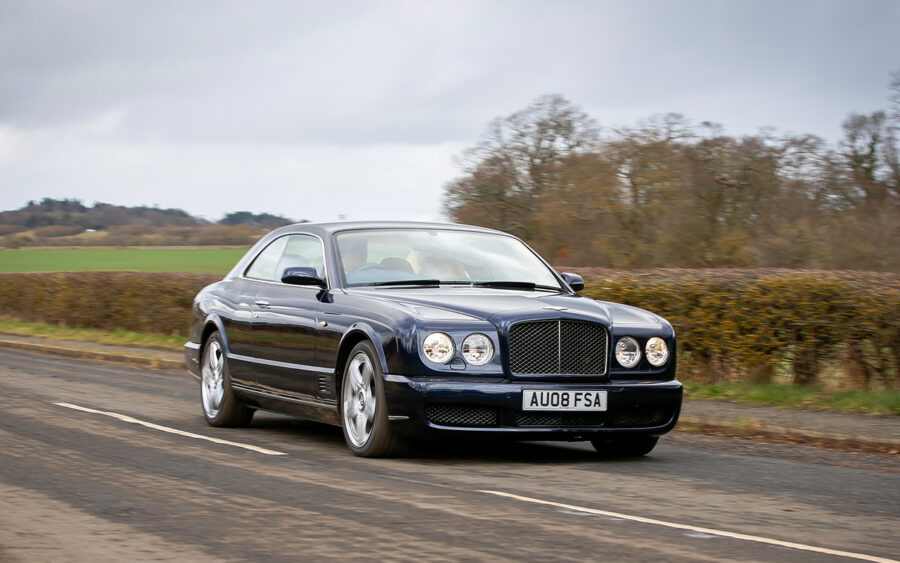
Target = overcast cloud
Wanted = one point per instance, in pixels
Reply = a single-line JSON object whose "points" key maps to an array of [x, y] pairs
{"points": [[320, 109]]}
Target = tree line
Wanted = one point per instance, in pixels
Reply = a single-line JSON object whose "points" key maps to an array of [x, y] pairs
{"points": [[677, 193], [68, 222], [73, 213]]}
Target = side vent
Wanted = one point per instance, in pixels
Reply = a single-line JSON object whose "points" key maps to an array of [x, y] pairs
{"points": [[325, 385]]}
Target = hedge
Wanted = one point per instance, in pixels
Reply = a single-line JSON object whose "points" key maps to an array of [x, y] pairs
{"points": [[732, 325], [137, 301], [760, 325]]}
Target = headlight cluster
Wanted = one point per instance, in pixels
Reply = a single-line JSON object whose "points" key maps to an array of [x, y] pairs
{"points": [[477, 349], [628, 352], [657, 351], [438, 347]]}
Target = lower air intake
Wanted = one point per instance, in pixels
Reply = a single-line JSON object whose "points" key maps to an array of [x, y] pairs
{"points": [[560, 419], [641, 418], [460, 415]]}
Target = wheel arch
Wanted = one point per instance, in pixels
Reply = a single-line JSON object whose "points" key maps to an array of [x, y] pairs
{"points": [[357, 333], [213, 324]]}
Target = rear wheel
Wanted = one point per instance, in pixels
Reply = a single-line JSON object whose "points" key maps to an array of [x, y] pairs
{"points": [[220, 406], [631, 446], [364, 412]]}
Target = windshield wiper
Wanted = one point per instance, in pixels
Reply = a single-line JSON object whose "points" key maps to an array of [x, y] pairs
{"points": [[528, 286], [428, 283], [499, 284]]}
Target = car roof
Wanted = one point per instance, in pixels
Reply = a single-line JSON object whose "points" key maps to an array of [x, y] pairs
{"points": [[324, 229]]}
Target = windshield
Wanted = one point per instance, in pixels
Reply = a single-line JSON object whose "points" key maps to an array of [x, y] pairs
{"points": [[380, 257]]}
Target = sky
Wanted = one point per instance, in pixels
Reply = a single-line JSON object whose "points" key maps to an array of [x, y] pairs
{"points": [[357, 109]]}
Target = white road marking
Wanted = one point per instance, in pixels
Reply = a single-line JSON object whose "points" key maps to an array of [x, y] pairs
{"points": [[697, 529], [126, 418]]}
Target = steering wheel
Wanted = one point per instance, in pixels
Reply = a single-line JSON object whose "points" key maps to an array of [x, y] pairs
{"points": [[372, 266]]}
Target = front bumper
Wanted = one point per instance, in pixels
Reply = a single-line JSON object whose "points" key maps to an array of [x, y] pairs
{"points": [[493, 406], [192, 358]]}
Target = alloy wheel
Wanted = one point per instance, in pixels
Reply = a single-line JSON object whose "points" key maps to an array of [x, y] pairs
{"points": [[213, 379], [359, 399]]}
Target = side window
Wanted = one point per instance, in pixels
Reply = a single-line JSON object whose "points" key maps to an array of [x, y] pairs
{"points": [[303, 250], [288, 252], [266, 264]]}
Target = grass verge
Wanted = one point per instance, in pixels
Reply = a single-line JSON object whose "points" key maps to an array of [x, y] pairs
{"points": [[116, 337], [799, 397], [196, 260]]}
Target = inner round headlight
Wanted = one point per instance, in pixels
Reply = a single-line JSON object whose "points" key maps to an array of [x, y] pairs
{"points": [[628, 353], [477, 349], [657, 351], [438, 347]]}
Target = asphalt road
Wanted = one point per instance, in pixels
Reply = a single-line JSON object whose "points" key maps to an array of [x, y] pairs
{"points": [[107, 462]]}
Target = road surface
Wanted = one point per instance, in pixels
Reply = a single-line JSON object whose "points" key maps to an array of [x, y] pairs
{"points": [[107, 462]]}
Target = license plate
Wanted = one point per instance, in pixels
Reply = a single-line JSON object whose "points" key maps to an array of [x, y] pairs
{"points": [[540, 400]]}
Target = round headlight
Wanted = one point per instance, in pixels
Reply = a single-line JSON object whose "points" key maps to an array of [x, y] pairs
{"points": [[477, 349], [438, 347], [657, 351], [628, 353]]}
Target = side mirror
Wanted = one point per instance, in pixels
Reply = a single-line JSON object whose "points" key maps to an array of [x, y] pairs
{"points": [[302, 276], [575, 281]]}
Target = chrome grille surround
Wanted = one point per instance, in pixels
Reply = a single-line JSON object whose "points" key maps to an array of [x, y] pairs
{"points": [[557, 347]]}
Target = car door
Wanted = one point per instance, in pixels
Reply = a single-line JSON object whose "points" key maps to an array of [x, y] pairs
{"points": [[284, 330]]}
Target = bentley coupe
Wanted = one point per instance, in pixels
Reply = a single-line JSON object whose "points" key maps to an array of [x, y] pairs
{"points": [[396, 330]]}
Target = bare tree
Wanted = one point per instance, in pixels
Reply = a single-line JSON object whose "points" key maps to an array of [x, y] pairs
{"points": [[513, 165], [670, 192]]}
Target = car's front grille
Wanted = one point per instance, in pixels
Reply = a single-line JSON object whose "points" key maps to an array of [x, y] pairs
{"points": [[560, 419], [557, 347], [642, 417], [461, 415]]}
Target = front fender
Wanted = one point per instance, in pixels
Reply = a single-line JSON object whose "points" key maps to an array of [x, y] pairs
{"points": [[357, 332], [193, 348], [214, 323]]}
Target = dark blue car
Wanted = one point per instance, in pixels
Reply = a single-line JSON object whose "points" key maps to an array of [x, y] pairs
{"points": [[399, 330]]}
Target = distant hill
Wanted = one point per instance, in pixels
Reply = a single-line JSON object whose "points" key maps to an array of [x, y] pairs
{"points": [[72, 213], [265, 220], [68, 222]]}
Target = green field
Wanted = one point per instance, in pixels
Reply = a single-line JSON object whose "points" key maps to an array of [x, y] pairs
{"points": [[194, 260]]}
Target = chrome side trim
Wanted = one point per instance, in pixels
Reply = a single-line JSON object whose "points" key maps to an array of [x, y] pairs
{"points": [[272, 363], [397, 417], [301, 399]]}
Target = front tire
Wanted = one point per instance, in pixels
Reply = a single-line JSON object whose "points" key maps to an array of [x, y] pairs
{"points": [[220, 406], [631, 446], [364, 411]]}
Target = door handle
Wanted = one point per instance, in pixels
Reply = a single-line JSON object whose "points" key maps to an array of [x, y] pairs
{"points": [[261, 303]]}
